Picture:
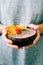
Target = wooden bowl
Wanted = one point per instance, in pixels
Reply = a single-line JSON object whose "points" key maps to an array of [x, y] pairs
{"points": [[25, 38]]}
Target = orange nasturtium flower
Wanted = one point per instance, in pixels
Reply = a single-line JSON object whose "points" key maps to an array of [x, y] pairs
{"points": [[18, 29]]}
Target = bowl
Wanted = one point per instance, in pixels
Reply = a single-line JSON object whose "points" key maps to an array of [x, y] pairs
{"points": [[26, 37]]}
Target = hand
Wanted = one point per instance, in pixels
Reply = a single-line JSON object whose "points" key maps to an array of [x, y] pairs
{"points": [[38, 35], [8, 41]]}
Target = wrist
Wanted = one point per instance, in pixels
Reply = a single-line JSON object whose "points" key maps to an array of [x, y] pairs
{"points": [[40, 28], [1, 28]]}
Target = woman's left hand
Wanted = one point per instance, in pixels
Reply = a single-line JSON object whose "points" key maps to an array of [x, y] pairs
{"points": [[38, 35]]}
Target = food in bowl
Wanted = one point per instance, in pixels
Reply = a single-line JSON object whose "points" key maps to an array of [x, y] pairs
{"points": [[21, 35]]}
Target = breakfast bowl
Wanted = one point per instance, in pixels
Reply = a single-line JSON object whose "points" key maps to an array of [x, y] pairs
{"points": [[21, 35]]}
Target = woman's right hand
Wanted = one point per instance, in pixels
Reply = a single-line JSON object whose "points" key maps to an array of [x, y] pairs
{"points": [[8, 41]]}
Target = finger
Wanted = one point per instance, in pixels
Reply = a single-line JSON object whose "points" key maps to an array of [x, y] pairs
{"points": [[35, 41], [12, 46], [37, 38], [5, 38], [29, 46]]}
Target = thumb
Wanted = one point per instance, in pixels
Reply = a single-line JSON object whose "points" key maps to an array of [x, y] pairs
{"points": [[33, 26]]}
